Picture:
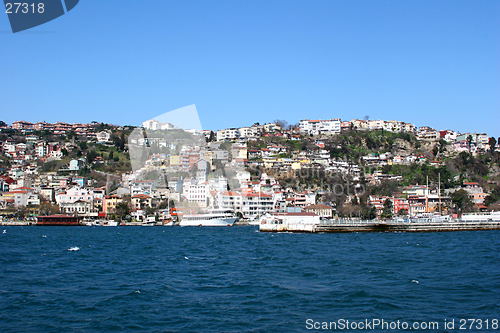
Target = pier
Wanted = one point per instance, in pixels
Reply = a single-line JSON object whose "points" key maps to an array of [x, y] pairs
{"points": [[399, 226], [284, 224]]}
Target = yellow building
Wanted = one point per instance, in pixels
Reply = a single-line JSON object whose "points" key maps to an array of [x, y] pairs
{"points": [[109, 203], [175, 160]]}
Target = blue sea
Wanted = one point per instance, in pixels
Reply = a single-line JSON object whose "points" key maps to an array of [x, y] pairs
{"points": [[236, 279]]}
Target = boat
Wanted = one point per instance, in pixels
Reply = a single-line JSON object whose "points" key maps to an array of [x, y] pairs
{"points": [[101, 223], [109, 223], [168, 223], [150, 221], [213, 218]]}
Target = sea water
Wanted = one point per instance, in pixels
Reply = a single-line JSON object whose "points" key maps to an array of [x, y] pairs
{"points": [[236, 279]]}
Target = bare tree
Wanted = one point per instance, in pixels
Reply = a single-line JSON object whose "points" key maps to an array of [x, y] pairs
{"points": [[281, 123]]}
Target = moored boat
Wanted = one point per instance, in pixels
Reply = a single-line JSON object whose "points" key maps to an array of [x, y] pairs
{"points": [[214, 218]]}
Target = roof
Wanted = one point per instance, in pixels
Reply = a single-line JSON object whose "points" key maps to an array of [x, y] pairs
{"points": [[319, 206], [141, 196], [57, 215], [262, 195], [231, 193]]}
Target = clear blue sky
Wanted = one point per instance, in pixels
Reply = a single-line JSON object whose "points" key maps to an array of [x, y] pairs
{"points": [[434, 63]]}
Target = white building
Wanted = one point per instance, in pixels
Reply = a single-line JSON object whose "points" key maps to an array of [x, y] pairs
{"points": [[316, 127], [228, 134], [394, 126], [247, 132], [448, 135], [376, 124], [155, 125], [103, 136], [73, 195], [271, 127], [197, 193], [56, 154], [81, 208], [230, 200], [41, 149], [256, 204]]}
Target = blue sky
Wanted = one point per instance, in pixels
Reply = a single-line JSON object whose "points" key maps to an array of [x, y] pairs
{"points": [[434, 63]]}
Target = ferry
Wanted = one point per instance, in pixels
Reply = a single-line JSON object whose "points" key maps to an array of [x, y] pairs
{"points": [[214, 218]]}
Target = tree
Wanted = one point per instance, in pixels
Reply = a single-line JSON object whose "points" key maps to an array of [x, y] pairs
{"points": [[387, 212], [21, 212], [2, 123], [469, 142], [442, 146], [370, 213], [435, 150], [212, 137], [122, 210], [281, 123], [47, 208], [71, 134], [461, 199], [110, 157], [83, 145], [118, 141], [494, 197], [91, 155], [492, 142]]}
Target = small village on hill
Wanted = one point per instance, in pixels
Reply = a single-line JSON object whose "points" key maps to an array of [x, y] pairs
{"points": [[350, 169]]}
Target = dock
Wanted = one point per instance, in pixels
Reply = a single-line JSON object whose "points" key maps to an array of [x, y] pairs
{"points": [[311, 225], [397, 226]]}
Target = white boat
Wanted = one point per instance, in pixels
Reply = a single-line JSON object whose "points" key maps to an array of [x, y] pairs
{"points": [[101, 223], [214, 218], [150, 221], [106, 223]]}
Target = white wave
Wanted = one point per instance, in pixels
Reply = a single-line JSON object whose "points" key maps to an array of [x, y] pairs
{"points": [[74, 248], [414, 281]]}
